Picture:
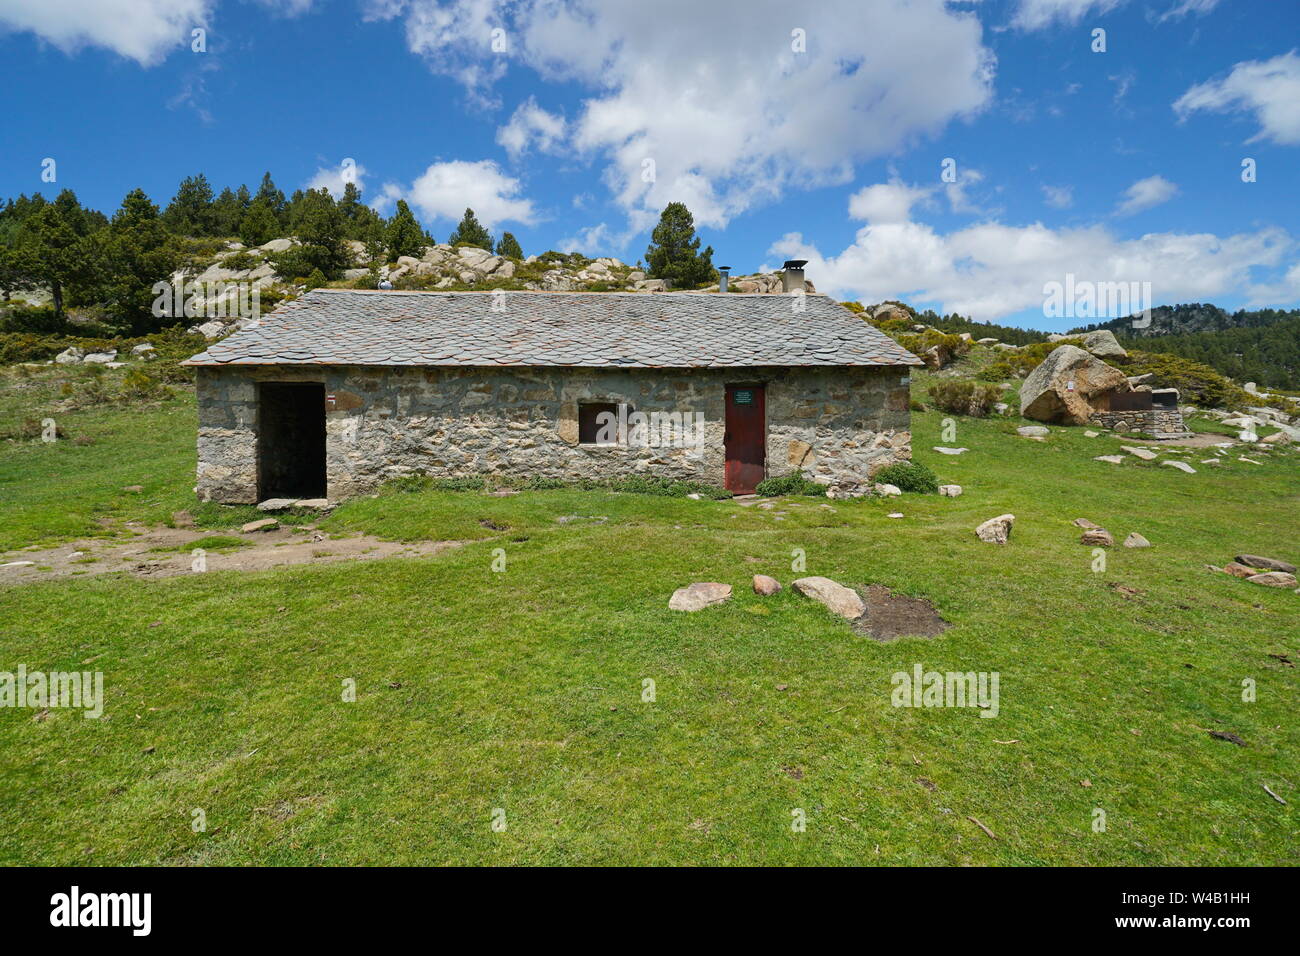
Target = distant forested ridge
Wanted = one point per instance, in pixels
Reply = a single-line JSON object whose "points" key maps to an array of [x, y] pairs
{"points": [[1192, 317]]}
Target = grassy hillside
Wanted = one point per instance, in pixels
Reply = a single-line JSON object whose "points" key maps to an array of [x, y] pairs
{"points": [[521, 691]]}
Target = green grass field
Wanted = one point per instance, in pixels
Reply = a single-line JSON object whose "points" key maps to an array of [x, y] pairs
{"points": [[521, 692]]}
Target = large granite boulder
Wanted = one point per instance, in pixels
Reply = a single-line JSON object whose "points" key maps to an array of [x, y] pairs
{"points": [[1103, 344], [1063, 387]]}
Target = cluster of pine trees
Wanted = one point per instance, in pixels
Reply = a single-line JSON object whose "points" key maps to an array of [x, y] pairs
{"points": [[85, 258]]}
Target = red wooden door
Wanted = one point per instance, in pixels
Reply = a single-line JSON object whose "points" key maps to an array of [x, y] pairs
{"points": [[745, 440]]}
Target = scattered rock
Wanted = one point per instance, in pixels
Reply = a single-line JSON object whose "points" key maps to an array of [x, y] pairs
{"points": [[765, 585], [1091, 434], [1277, 438], [950, 491], [1239, 570], [836, 597], [1084, 523], [996, 530], [1265, 564], [1097, 537], [1033, 431], [949, 451], [1135, 540], [1110, 459], [1103, 344], [276, 504], [697, 596], [1144, 453], [1273, 579], [70, 356], [1181, 466], [263, 524], [134, 489], [889, 491]]}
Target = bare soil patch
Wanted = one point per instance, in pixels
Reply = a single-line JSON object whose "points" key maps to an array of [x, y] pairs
{"points": [[168, 552], [890, 616]]}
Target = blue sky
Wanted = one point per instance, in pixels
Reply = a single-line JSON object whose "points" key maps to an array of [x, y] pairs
{"points": [[819, 132]]}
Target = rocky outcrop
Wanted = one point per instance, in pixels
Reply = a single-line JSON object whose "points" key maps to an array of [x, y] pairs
{"points": [[1063, 388]]}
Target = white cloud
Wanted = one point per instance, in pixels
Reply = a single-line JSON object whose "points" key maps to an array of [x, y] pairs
{"points": [[334, 178], [1269, 88], [1059, 197], [593, 239], [1146, 193], [141, 30], [444, 191], [991, 270], [887, 202], [727, 110], [531, 126], [1186, 7], [1037, 14]]}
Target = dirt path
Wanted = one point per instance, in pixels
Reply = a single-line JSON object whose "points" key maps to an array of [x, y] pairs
{"points": [[167, 552]]}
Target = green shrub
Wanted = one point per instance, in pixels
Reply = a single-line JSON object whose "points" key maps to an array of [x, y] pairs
{"points": [[240, 261], [909, 476], [1197, 384], [791, 484], [965, 398]]}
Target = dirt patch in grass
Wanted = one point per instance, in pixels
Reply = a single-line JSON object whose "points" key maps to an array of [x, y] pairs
{"points": [[890, 616], [167, 552]]}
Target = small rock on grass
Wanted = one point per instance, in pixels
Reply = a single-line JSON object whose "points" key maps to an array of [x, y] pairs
{"points": [[697, 596], [264, 524], [836, 597], [996, 530], [1136, 540], [1143, 453], [765, 585], [949, 451], [1097, 537], [950, 491], [1273, 579], [1265, 564], [1181, 466], [1239, 570], [1110, 459], [1084, 523], [1033, 431]]}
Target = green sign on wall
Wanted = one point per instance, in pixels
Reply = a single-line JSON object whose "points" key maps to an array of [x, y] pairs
{"points": [[743, 396]]}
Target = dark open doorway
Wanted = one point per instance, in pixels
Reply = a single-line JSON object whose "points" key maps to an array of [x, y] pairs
{"points": [[291, 440]]}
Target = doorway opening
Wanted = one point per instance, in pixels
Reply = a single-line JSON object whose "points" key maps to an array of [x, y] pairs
{"points": [[291, 440]]}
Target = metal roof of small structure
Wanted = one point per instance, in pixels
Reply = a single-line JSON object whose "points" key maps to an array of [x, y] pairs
{"points": [[573, 329]]}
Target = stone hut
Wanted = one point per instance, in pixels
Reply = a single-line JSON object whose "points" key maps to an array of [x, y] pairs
{"points": [[340, 390]]}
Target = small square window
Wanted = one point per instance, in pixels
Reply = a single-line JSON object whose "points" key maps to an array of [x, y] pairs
{"points": [[593, 418]]}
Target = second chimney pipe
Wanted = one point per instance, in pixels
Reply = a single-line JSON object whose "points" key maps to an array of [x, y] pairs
{"points": [[792, 281], [724, 272]]}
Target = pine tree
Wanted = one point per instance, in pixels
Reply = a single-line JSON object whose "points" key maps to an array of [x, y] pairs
{"points": [[273, 198], [471, 232], [190, 212], [404, 237], [509, 247], [259, 224], [673, 253]]}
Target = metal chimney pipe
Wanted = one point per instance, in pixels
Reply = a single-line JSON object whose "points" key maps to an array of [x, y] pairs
{"points": [[792, 281], [724, 273]]}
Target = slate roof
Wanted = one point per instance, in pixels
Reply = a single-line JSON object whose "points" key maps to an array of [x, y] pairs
{"points": [[578, 329]]}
